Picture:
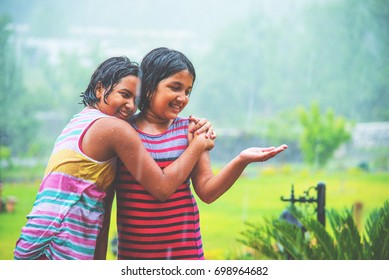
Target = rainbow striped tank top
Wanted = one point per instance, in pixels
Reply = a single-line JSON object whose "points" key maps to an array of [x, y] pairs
{"points": [[147, 227], [67, 215]]}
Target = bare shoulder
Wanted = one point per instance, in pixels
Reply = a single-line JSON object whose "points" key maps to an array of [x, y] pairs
{"points": [[110, 125], [101, 140], [110, 129]]}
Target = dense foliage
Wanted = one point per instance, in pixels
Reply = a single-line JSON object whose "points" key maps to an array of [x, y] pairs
{"points": [[309, 239], [322, 135]]}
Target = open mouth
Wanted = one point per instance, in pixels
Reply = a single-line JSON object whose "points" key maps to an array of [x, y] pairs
{"points": [[123, 114], [175, 106]]}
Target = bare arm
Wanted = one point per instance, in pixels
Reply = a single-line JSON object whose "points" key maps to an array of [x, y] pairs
{"points": [[210, 187], [108, 137]]}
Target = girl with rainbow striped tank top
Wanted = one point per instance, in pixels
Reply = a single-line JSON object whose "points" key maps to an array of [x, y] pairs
{"points": [[68, 212]]}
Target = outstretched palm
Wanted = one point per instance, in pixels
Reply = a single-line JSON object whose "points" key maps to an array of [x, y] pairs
{"points": [[256, 154]]}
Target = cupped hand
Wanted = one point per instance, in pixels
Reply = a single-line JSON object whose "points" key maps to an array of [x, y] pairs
{"points": [[257, 154]]}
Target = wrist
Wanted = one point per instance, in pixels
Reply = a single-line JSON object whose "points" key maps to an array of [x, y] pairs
{"points": [[199, 145], [242, 160]]}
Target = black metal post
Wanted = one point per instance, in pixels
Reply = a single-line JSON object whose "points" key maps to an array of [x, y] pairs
{"points": [[321, 203]]}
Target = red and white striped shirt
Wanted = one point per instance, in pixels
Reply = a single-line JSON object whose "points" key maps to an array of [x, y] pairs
{"points": [[147, 227]]}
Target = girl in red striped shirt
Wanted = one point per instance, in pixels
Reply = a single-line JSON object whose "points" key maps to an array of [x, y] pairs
{"points": [[167, 225]]}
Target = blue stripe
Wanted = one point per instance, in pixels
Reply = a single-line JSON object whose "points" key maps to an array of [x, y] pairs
{"points": [[56, 230], [54, 195], [72, 133], [58, 220]]}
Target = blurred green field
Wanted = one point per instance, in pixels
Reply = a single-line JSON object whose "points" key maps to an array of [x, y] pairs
{"points": [[255, 196]]}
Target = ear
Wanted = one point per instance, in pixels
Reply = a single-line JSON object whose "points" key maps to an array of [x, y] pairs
{"points": [[99, 90], [149, 96]]}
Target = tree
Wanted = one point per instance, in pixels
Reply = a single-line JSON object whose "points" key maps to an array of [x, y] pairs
{"points": [[17, 124], [322, 135]]}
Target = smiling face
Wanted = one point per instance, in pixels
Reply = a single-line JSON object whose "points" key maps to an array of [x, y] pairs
{"points": [[121, 101], [171, 96]]}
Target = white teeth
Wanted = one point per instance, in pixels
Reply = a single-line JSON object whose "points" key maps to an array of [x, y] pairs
{"points": [[124, 114]]}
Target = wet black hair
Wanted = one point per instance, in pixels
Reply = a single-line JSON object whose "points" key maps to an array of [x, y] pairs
{"points": [[109, 73], [157, 65]]}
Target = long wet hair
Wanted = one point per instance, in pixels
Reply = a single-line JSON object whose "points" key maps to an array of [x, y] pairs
{"points": [[157, 65], [109, 73]]}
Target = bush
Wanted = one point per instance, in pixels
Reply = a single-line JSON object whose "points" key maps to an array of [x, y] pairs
{"points": [[280, 239]]}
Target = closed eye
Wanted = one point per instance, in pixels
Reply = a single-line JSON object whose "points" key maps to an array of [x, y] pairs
{"points": [[126, 94], [175, 89]]}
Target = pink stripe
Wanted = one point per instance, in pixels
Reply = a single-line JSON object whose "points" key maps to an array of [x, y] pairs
{"points": [[158, 151], [81, 241], [72, 127], [84, 242], [63, 146], [68, 139], [45, 222], [69, 252], [68, 184], [55, 224], [181, 120], [164, 140], [81, 229], [62, 216], [38, 232], [58, 216], [182, 127]]}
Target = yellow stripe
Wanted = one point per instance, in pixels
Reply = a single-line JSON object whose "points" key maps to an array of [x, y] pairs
{"points": [[76, 165]]}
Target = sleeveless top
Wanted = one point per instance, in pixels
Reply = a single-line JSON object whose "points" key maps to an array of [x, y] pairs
{"points": [[67, 214], [147, 227]]}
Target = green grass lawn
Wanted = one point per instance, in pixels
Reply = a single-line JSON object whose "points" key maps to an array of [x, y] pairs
{"points": [[254, 197]]}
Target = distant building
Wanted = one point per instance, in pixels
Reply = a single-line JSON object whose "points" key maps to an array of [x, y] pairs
{"points": [[133, 43], [370, 135]]}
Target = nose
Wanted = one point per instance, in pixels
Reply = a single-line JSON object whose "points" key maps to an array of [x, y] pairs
{"points": [[182, 96], [130, 104]]}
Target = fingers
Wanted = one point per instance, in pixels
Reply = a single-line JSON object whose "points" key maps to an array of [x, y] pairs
{"points": [[202, 126], [267, 149], [270, 152], [280, 149], [213, 135], [192, 118], [274, 150], [209, 132]]}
